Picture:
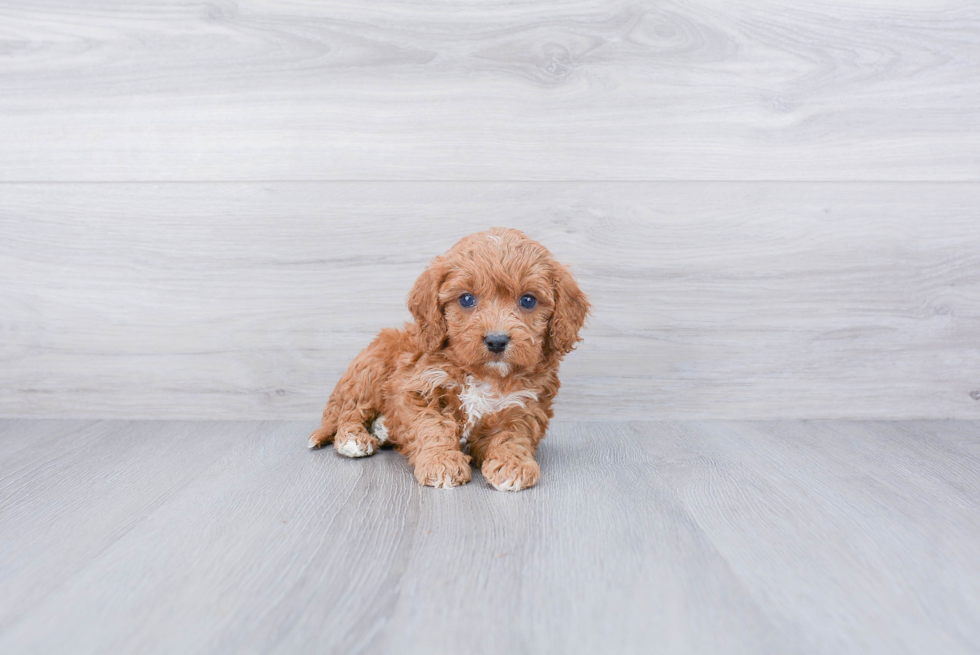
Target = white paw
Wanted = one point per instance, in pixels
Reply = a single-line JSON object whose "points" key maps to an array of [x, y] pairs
{"points": [[509, 485], [351, 448], [513, 475], [379, 430], [445, 483]]}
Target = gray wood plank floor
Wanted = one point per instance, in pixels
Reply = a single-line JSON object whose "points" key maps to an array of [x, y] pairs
{"points": [[685, 537]]}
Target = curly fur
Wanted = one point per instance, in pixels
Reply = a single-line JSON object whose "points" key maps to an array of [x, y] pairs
{"points": [[437, 394]]}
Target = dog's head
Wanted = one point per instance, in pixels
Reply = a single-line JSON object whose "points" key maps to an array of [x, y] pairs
{"points": [[498, 300]]}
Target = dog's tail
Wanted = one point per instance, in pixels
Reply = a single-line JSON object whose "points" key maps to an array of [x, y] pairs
{"points": [[357, 399], [328, 427]]}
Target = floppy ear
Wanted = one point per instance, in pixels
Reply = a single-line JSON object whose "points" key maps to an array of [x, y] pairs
{"points": [[423, 302], [571, 308]]}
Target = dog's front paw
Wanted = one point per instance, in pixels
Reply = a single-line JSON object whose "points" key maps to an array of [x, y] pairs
{"points": [[511, 474], [448, 468]]}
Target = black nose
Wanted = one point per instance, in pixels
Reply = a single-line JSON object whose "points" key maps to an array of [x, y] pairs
{"points": [[496, 342]]}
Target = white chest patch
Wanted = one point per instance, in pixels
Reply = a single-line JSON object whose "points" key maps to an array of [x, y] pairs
{"points": [[479, 399]]}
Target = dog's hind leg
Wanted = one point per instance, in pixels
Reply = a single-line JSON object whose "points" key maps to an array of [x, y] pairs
{"points": [[355, 403], [328, 425]]}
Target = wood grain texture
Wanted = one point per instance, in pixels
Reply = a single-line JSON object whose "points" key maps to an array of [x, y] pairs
{"points": [[722, 537], [69, 490], [531, 90], [712, 300]]}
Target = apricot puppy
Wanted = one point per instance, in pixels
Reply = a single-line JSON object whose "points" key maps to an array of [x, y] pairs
{"points": [[474, 377]]}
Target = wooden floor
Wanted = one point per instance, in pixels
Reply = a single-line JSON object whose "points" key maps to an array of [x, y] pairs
{"points": [[671, 537]]}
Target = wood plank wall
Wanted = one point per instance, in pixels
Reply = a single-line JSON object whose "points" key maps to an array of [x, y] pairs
{"points": [[206, 209]]}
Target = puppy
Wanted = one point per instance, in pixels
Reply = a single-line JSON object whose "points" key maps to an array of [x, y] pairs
{"points": [[474, 377]]}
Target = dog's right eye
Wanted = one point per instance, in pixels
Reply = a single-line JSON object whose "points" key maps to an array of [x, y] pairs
{"points": [[467, 300]]}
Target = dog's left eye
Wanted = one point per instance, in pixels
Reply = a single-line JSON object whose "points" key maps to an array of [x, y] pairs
{"points": [[467, 300], [528, 301]]}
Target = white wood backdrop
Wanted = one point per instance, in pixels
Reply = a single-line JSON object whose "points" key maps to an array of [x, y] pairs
{"points": [[206, 209]]}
